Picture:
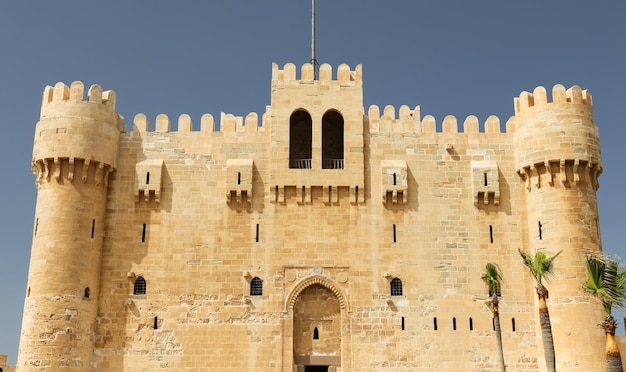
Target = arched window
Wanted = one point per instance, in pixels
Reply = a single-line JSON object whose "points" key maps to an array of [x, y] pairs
{"points": [[316, 334], [300, 138], [86, 292], [140, 286], [498, 290], [332, 140], [256, 286], [396, 287]]}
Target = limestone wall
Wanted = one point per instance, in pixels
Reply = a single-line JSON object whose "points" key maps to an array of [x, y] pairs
{"points": [[245, 256]]}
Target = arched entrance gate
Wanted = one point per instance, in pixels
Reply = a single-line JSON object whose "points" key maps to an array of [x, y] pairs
{"points": [[318, 313]]}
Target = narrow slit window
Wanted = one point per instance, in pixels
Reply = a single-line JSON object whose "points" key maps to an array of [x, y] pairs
{"points": [[37, 225], [403, 323], [316, 334], [513, 324], [396, 287], [491, 233], [485, 176], [394, 233], [147, 178], [238, 178], [256, 286], [140, 286], [93, 227], [493, 324], [143, 234], [435, 323], [471, 324], [540, 230], [87, 293], [156, 322], [394, 179], [454, 324], [256, 237]]}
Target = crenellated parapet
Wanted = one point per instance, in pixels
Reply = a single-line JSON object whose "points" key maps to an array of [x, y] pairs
{"points": [[228, 123], [344, 76], [76, 138], [408, 121], [556, 138]]}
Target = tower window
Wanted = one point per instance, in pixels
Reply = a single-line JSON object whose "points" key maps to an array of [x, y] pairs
{"points": [[87, 292], [490, 233], [332, 140], [93, 227], [498, 290], [300, 139], [396, 287], [143, 234], [316, 334], [140, 286], [454, 324], [435, 323], [540, 230], [471, 324], [513, 324], [256, 286]]}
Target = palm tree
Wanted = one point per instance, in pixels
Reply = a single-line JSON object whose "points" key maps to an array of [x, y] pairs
{"points": [[541, 268], [606, 280], [493, 278]]}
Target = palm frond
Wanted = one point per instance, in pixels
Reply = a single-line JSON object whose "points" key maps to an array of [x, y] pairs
{"points": [[606, 280], [540, 266], [492, 277]]}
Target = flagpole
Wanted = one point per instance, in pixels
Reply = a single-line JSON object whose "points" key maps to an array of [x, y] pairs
{"points": [[313, 60]]}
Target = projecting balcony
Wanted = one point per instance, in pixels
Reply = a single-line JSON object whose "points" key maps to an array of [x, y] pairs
{"points": [[300, 163]]}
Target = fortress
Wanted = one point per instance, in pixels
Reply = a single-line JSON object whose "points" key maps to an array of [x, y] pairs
{"points": [[320, 236]]}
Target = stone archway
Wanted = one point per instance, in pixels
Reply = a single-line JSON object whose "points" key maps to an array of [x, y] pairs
{"points": [[317, 330]]}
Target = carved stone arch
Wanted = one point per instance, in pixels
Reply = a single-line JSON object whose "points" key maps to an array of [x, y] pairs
{"points": [[300, 139], [323, 281], [333, 124]]}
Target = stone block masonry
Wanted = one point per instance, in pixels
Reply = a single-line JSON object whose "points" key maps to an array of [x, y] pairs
{"points": [[316, 234]]}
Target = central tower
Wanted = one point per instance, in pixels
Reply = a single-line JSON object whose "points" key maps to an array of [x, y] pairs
{"points": [[317, 132]]}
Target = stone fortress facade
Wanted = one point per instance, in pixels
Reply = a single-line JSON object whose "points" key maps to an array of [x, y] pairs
{"points": [[317, 237]]}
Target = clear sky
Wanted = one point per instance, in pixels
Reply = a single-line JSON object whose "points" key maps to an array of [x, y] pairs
{"points": [[450, 57]]}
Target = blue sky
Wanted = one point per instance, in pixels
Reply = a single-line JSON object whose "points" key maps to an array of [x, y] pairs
{"points": [[450, 57]]}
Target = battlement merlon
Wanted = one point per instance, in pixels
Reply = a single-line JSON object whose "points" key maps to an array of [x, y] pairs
{"points": [[537, 101], [345, 77], [228, 123]]}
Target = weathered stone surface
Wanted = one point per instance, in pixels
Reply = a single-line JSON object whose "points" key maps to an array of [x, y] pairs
{"points": [[246, 252]]}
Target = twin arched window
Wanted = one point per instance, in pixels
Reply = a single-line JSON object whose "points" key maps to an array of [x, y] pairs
{"points": [[301, 138]]}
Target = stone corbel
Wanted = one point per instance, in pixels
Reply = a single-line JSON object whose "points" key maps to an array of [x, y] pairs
{"points": [[70, 172], [57, 169], [85, 170], [549, 171]]}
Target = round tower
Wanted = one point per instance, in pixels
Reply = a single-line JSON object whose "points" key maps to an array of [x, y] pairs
{"points": [[557, 155], [75, 149]]}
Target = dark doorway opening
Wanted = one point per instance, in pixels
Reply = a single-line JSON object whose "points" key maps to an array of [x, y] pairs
{"points": [[316, 369]]}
